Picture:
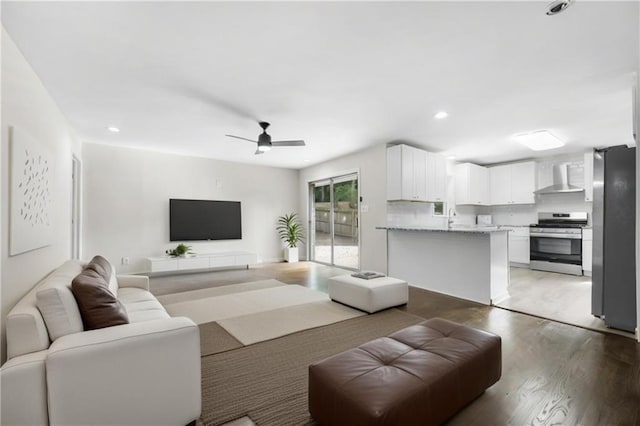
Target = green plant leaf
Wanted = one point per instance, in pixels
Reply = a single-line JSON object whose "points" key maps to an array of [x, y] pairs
{"points": [[290, 231]]}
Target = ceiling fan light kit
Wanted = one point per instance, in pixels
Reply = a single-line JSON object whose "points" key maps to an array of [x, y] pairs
{"points": [[264, 140]]}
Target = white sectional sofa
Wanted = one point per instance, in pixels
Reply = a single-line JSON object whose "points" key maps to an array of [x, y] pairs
{"points": [[146, 372]]}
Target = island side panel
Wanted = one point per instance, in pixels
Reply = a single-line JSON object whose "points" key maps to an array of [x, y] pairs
{"points": [[499, 266], [453, 263]]}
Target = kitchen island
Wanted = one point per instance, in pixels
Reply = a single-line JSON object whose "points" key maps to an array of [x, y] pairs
{"points": [[469, 263]]}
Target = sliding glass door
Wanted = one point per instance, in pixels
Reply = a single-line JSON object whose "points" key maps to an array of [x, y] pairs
{"points": [[334, 221], [321, 216]]}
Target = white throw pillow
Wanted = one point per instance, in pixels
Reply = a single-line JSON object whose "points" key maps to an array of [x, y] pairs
{"points": [[59, 311]]}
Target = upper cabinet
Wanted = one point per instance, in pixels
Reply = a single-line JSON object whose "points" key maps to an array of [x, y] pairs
{"points": [[472, 184], [415, 175], [588, 176], [436, 177], [512, 183], [406, 173]]}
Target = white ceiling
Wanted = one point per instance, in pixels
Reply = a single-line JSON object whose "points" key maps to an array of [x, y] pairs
{"points": [[178, 76]]}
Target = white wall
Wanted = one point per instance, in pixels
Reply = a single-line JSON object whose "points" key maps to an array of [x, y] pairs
{"points": [[371, 165], [126, 202], [27, 105]]}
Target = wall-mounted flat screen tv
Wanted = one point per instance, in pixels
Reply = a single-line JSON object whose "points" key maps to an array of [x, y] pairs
{"points": [[199, 220]]}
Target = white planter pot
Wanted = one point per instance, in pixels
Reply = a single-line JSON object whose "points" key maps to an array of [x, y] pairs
{"points": [[291, 254]]}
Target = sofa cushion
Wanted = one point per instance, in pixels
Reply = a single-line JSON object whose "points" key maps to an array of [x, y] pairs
{"points": [[147, 315], [59, 310], [26, 329], [98, 305], [134, 294], [141, 305]]}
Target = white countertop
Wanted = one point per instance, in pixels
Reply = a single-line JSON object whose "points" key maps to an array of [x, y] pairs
{"points": [[464, 229]]}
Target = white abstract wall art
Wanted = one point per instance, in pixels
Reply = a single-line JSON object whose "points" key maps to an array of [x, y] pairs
{"points": [[31, 194]]}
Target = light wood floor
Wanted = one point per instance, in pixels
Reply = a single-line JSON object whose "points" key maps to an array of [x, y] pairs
{"points": [[552, 373], [559, 297]]}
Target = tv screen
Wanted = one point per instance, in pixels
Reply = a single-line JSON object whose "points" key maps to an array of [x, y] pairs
{"points": [[192, 220]]}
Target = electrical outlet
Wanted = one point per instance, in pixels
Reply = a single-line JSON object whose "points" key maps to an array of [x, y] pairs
{"points": [[125, 260], [364, 208]]}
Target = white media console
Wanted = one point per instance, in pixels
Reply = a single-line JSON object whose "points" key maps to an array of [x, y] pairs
{"points": [[201, 261]]}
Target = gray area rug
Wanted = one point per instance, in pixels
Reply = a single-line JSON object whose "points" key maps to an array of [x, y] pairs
{"points": [[215, 339], [267, 381]]}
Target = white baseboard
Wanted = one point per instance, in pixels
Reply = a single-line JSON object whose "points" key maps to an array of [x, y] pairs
{"points": [[272, 260]]}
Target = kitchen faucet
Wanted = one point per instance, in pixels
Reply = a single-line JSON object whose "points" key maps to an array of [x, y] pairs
{"points": [[450, 215]]}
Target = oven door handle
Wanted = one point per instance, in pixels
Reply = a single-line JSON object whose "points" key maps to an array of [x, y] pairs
{"points": [[553, 235]]}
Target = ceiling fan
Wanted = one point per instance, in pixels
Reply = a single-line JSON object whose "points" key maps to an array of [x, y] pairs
{"points": [[264, 140]]}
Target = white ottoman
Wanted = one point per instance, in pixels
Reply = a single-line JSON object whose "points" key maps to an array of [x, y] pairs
{"points": [[368, 295]]}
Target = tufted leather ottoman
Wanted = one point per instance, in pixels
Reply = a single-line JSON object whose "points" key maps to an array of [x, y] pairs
{"points": [[420, 375]]}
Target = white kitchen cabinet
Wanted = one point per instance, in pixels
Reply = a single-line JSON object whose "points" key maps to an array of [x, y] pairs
{"points": [[518, 244], [472, 184], [588, 176], [512, 183], [523, 182], [587, 251], [500, 185], [436, 177], [406, 173]]}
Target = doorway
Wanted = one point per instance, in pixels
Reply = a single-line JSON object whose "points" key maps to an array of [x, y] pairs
{"points": [[334, 219], [76, 188]]}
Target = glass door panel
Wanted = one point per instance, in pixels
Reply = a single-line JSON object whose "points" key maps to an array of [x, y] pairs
{"points": [[334, 222], [321, 247], [345, 222]]}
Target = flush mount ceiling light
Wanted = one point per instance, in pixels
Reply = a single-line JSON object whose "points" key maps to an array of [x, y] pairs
{"points": [[558, 6], [539, 140], [440, 115], [113, 129]]}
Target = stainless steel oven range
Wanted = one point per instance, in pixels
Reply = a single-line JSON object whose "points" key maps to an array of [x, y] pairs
{"points": [[556, 242]]}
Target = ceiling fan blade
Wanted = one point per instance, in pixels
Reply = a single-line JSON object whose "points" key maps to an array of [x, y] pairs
{"points": [[288, 143], [240, 137], [258, 152]]}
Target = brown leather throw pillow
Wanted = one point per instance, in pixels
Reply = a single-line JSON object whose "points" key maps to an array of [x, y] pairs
{"points": [[101, 266], [98, 306]]}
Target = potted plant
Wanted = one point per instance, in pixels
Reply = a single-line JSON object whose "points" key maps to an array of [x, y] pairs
{"points": [[291, 233], [180, 251]]}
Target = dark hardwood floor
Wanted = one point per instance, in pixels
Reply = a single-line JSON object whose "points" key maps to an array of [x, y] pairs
{"points": [[552, 373]]}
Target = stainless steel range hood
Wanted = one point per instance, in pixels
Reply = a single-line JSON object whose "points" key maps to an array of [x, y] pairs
{"points": [[561, 183]]}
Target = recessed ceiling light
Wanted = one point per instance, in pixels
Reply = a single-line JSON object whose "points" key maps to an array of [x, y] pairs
{"points": [[451, 157], [539, 140], [306, 160], [113, 129], [440, 115]]}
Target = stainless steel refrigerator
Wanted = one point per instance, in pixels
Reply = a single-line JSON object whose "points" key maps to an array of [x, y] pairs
{"points": [[613, 292]]}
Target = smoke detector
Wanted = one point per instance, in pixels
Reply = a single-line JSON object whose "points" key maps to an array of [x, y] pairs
{"points": [[558, 6]]}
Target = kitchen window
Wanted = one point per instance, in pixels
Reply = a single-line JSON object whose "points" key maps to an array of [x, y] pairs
{"points": [[438, 209]]}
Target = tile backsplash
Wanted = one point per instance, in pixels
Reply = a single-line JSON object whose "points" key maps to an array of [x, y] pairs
{"points": [[413, 214], [526, 214]]}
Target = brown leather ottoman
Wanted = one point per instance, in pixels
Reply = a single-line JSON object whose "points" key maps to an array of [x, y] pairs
{"points": [[420, 375]]}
